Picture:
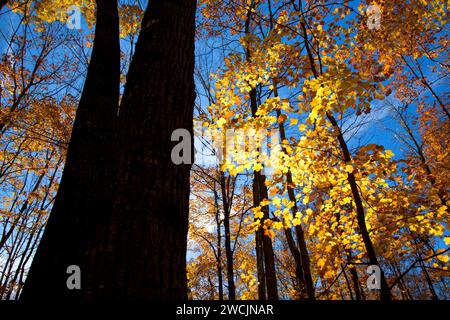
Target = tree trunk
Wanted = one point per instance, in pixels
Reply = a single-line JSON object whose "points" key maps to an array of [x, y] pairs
{"points": [[353, 272], [263, 242], [260, 193], [146, 253], [360, 214], [228, 250], [259, 236], [82, 203], [264, 249], [305, 261], [301, 255], [355, 280], [219, 243], [300, 278], [347, 282]]}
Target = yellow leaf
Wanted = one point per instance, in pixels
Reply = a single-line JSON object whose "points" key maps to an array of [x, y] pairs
{"points": [[257, 167], [447, 241], [221, 122], [302, 127], [306, 200], [258, 214], [276, 201], [321, 263], [278, 225], [389, 153], [313, 115]]}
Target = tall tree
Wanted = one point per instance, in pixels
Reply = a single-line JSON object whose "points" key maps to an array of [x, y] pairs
{"points": [[264, 248], [225, 190], [81, 208], [371, 254], [148, 234]]}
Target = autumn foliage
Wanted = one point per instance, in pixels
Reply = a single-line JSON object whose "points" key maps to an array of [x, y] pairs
{"points": [[355, 173]]}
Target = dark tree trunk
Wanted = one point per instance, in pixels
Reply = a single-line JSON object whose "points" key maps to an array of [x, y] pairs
{"points": [[219, 243], [259, 236], [267, 277], [427, 277], [301, 255], [360, 214], [228, 250], [81, 207], [355, 279], [259, 194], [146, 253]]}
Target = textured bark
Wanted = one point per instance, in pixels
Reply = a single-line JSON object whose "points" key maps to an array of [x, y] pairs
{"points": [[264, 246], [146, 253], [309, 284], [80, 212], [260, 193], [259, 236]]}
